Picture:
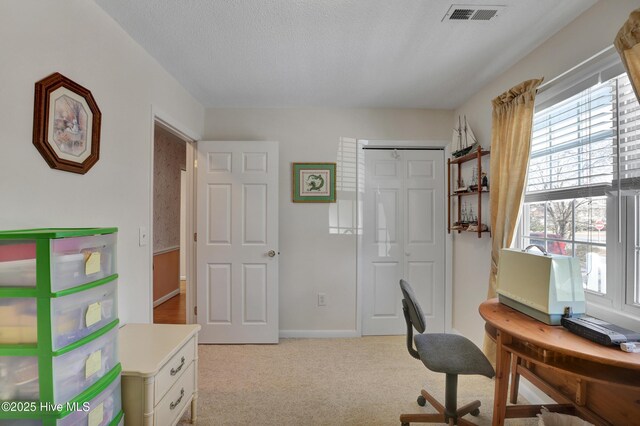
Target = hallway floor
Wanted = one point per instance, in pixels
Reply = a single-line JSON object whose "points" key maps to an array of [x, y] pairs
{"points": [[173, 311]]}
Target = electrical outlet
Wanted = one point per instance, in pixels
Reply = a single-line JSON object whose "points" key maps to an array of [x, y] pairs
{"points": [[322, 299]]}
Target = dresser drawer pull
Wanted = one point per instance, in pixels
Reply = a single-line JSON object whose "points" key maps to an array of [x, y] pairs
{"points": [[177, 401], [175, 371]]}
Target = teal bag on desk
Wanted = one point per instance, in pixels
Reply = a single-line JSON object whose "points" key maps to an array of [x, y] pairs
{"points": [[541, 285]]}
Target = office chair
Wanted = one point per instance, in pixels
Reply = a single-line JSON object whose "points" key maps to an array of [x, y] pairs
{"points": [[443, 353]]}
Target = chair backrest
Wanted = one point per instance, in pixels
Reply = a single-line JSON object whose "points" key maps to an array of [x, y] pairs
{"points": [[413, 316], [412, 308]]}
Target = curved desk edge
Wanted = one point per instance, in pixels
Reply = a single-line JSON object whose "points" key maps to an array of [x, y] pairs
{"points": [[553, 337], [598, 383]]}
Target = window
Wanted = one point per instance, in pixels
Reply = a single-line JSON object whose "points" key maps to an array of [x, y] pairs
{"points": [[584, 172], [572, 227]]}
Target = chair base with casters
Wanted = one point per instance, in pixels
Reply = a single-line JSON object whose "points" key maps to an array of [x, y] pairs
{"points": [[472, 408], [450, 354]]}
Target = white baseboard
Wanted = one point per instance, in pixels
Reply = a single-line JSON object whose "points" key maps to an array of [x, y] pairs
{"points": [[183, 277], [166, 297], [317, 334]]}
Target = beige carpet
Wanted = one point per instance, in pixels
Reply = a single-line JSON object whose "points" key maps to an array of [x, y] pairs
{"points": [[360, 381]]}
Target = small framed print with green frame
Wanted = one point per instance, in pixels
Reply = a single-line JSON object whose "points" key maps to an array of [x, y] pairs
{"points": [[313, 182]]}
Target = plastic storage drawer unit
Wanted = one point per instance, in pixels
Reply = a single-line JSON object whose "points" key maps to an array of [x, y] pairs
{"points": [[59, 327]]}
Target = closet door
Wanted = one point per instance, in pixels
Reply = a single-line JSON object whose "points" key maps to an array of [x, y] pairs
{"points": [[403, 237]]}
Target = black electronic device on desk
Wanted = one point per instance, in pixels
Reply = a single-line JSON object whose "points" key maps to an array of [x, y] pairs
{"points": [[599, 331]]}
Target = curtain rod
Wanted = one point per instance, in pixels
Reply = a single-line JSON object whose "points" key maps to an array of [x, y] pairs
{"points": [[417, 148], [548, 84]]}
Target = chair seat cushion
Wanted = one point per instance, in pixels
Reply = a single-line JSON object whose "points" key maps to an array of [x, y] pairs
{"points": [[452, 354]]}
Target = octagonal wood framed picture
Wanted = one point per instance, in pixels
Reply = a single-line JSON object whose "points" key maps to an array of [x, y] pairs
{"points": [[66, 124]]}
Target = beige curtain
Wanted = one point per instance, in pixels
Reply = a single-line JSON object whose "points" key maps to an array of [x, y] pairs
{"points": [[510, 146], [627, 43]]}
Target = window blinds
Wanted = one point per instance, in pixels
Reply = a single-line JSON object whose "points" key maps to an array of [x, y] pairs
{"points": [[571, 145], [578, 127]]}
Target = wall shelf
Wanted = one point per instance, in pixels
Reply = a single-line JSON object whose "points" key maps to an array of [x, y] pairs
{"points": [[470, 156], [458, 226], [462, 194]]}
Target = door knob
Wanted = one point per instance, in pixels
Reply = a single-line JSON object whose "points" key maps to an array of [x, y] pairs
{"points": [[271, 253]]}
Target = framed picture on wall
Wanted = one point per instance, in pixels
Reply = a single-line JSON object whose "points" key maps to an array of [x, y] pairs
{"points": [[313, 182], [66, 124]]}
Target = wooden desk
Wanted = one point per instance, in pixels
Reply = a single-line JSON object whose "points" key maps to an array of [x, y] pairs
{"points": [[597, 383]]}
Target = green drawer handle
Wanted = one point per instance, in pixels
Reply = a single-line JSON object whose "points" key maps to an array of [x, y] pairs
{"points": [[177, 401], [175, 371]]}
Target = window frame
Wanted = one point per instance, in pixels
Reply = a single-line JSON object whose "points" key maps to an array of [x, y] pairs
{"points": [[631, 206], [622, 241]]}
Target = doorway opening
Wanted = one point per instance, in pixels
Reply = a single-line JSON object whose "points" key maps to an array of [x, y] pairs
{"points": [[171, 254]]}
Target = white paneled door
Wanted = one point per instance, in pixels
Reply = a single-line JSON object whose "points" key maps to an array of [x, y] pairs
{"points": [[237, 242], [403, 237]]}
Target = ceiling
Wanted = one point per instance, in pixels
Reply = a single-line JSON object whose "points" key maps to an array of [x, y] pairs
{"points": [[336, 53]]}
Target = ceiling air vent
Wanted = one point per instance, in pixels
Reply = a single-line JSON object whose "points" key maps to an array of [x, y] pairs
{"points": [[465, 12], [462, 14], [484, 14]]}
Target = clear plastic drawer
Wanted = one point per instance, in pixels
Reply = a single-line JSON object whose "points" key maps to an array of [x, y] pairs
{"points": [[18, 321], [19, 378], [75, 371], [74, 261], [80, 260], [72, 317], [102, 409], [17, 263], [79, 314]]}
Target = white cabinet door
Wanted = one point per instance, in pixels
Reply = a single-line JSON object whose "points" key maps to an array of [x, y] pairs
{"points": [[237, 248], [403, 237]]}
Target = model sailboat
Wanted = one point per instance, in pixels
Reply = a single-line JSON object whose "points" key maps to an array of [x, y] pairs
{"points": [[463, 141]]}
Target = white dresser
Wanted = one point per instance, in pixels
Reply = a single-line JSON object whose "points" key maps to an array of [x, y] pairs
{"points": [[159, 373]]}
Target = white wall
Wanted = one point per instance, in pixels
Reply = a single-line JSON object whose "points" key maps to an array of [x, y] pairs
{"points": [[311, 259], [79, 40], [588, 34]]}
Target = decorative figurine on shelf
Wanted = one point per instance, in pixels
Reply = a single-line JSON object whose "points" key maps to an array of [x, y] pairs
{"points": [[473, 219], [474, 180], [475, 228], [464, 141], [461, 187], [485, 182], [463, 215]]}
